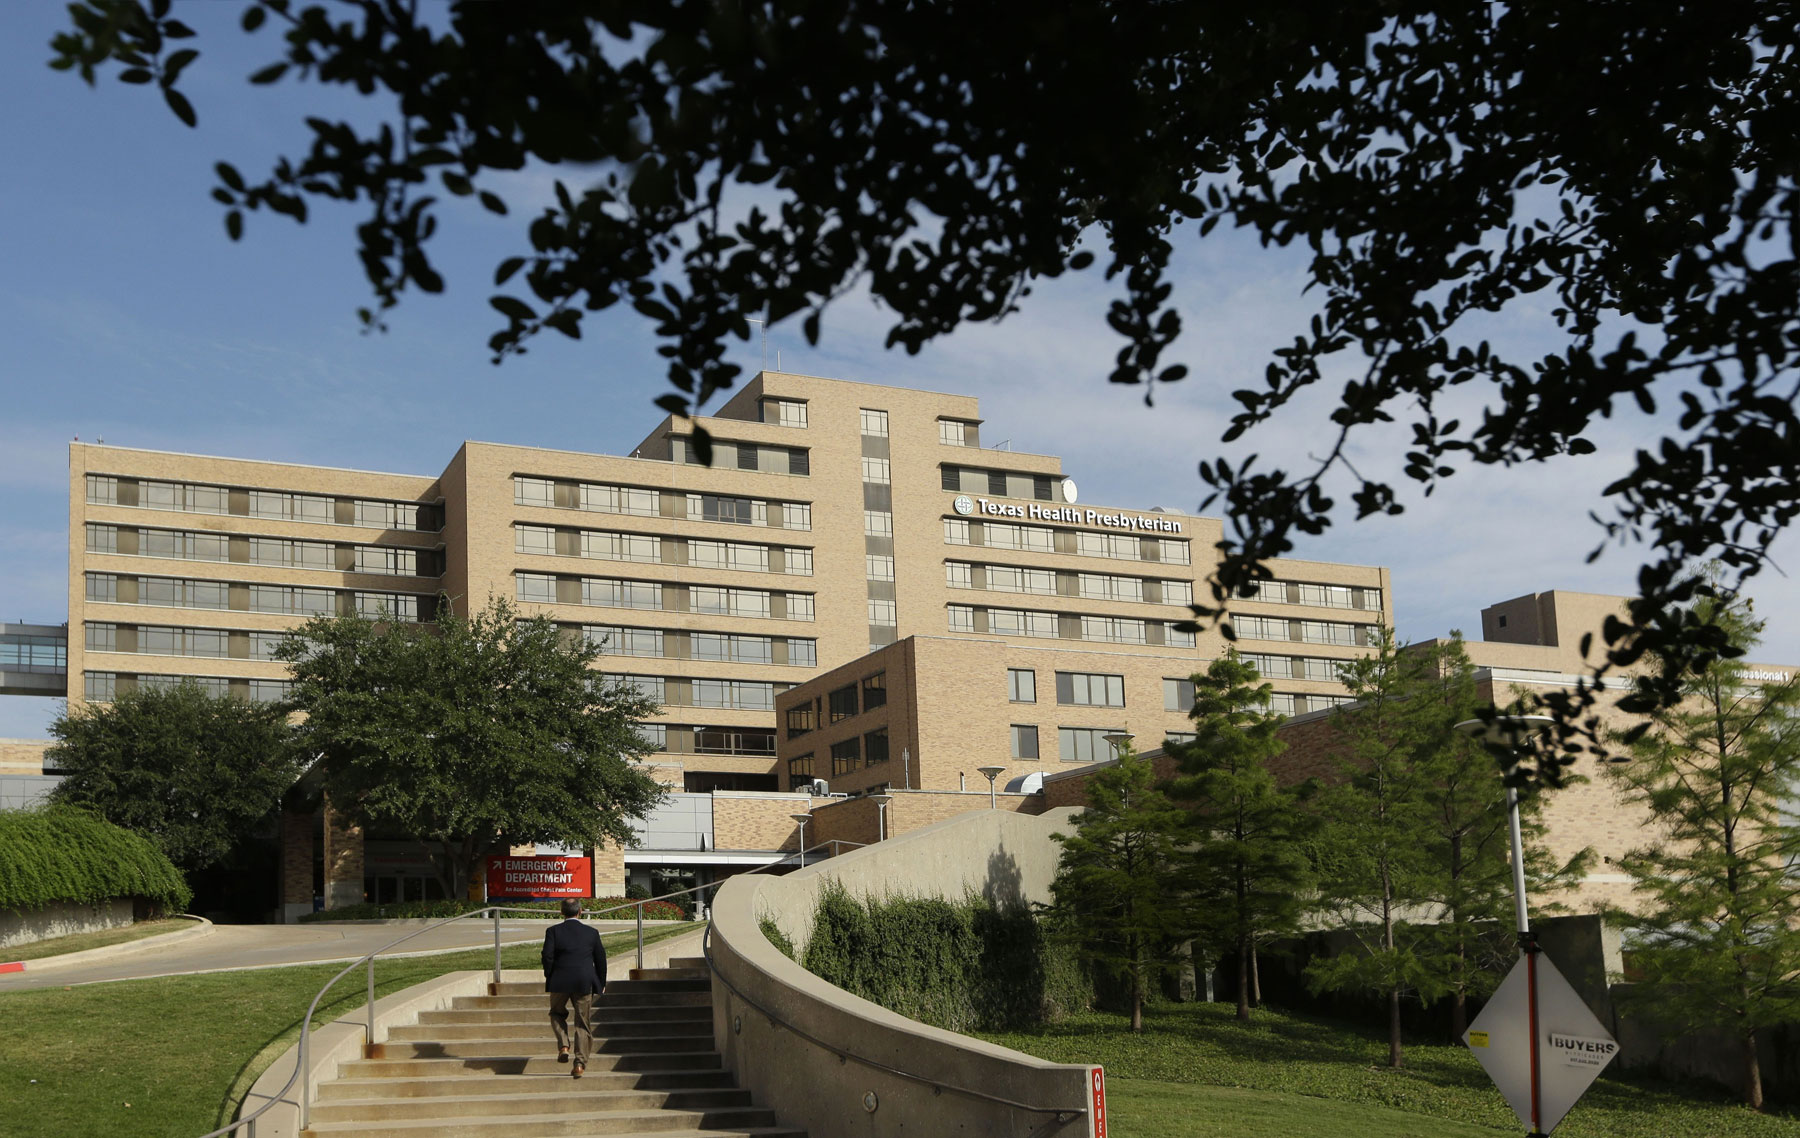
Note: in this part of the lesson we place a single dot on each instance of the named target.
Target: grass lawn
(169, 1058)
(1196, 1072)
(56, 946)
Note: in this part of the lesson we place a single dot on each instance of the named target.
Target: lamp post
(906, 767)
(803, 819)
(881, 805)
(992, 773)
(1120, 740)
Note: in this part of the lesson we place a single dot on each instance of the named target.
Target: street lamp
(803, 819)
(881, 805)
(992, 773)
(1119, 740)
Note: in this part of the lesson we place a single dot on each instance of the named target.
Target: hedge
(61, 855)
(545, 910)
(957, 965)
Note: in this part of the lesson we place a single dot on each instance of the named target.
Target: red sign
(539, 878)
(1098, 1078)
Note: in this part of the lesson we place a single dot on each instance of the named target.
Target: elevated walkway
(34, 659)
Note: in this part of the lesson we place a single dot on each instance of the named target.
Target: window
(796, 515)
(1024, 741)
(846, 756)
(1011, 579)
(1101, 586)
(880, 567)
(746, 456)
(1178, 738)
(1085, 744)
(953, 433)
(962, 618)
(102, 637)
(615, 640)
(878, 523)
(1112, 629)
(723, 741)
(537, 540)
(799, 606)
(883, 612)
(841, 704)
(1176, 637)
(100, 686)
(1178, 592)
(1005, 535)
(1022, 622)
(655, 734)
(1172, 551)
(874, 691)
(102, 587)
(263, 645)
(802, 719)
(800, 770)
(615, 594)
(1090, 689)
(803, 653)
(1178, 695)
(877, 470)
(537, 588)
(799, 561)
(620, 500)
(387, 515)
(956, 531)
(388, 606)
(875, 423)
(102, 539)
(1021, 685)
(875, 747)
(621, 546)
(102, 490)
(719, 508)
(270, 691)
(784, 412)
(650, 687)
(959, 575)
(292, 601)
(534, 491)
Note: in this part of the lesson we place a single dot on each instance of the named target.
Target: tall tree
(1249, 874)
(1373, 851)
(195, 773)
(471, 731)
(1119, 889)
(1719, 775)
(1447, 165)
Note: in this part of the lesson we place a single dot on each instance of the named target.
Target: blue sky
(128, 315)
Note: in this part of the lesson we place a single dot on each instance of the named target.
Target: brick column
(296, 865)
(609, 870)
(343, 860)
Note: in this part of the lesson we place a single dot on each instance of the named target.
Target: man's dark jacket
(574, 962)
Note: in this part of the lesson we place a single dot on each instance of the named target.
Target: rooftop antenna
(765, 339)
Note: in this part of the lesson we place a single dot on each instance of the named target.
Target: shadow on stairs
(486, 1068)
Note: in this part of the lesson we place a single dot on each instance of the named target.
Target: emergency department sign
(1571, 1048)
(539, 878)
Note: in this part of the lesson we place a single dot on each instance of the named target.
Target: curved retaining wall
(839, 1065)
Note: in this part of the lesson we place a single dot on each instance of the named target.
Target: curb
(201, 927)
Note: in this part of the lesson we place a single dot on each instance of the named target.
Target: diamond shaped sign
(1572, 1047)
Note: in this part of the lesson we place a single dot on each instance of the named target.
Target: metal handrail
(304, 1077)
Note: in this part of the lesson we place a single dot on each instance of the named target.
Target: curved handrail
(301, 1075)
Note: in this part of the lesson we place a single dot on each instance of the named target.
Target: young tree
(1373, 850)
(471, 731)
(1249, 874)
(1119, 890)
(194, 773)
(1719, 775)
(1442, 162)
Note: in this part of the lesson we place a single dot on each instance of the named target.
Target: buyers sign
(539, 878)
(1539, 1043)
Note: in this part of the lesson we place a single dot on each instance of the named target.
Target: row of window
(1093, 689)
(319, 509)
(959, 433)
(639, 502)
(682, 691)
(678, 739)
(190, 545)
(1318, 596)
(847, 755)
(166, 640)
(34, 654)
(545, 541)
(1295, 667)
(655, 596)
(618, 640)
(1064, 583)
(839, 704)
(103, 687)
(727, 455)
(223, 596)
(1301, 631)
(1000, 483)
(1081, 543)
(1066, 626)
(784, 412)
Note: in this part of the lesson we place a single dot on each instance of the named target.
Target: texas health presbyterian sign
(539, 878)
(1070, 515)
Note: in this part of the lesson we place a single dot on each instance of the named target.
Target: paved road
(228, 948)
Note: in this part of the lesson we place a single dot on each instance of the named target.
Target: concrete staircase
(486, 1068)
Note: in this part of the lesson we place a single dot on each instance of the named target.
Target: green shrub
(59, 854)
(958, 965)
(542, 910)
(776, 937)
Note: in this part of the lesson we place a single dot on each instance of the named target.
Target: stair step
(567, 1096)
(511, 1063)
(550, 1077)
(689, 962)
(540, 1029)
(539, 1125)
(673, 984)
(481, 1047)
(608, 999)
(682, 1013)
(668, 974)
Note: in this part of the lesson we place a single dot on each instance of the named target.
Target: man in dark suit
(574, 973)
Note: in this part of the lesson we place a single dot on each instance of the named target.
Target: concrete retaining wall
(839, 1065)
(63, 919)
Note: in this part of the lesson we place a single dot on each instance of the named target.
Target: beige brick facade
(23, 756)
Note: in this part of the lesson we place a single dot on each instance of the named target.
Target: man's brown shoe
(579, 1068)
(562, 1055)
